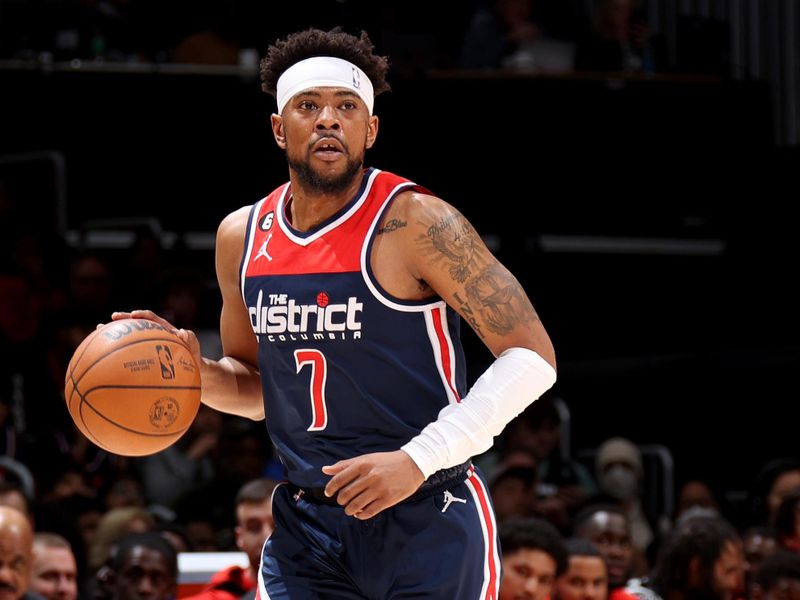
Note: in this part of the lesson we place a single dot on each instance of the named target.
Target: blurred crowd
(81, 500)
(574, 525)
(523, 35)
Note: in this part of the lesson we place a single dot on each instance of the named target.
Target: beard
(330, 184)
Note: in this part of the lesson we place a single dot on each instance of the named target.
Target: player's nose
(328, 118)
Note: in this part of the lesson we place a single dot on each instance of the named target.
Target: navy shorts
(442, 545)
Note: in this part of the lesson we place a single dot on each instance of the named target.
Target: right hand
(367, 484)
(187, 336)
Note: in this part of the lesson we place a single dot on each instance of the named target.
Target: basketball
(132, 387)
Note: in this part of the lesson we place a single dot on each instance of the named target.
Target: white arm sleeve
(515, 379)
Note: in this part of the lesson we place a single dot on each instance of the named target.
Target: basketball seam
(126, 345)
(128, 429)
(75, 361)
(85, 404)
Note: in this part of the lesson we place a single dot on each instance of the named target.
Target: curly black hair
(702, 537)
(533, 533)
(314, 42)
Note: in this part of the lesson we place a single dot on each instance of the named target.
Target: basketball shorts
(441, 543)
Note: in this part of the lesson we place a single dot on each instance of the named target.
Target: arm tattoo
(469, 315)
(500, 300)
(456, 242)
(392, 225)
(493, 299)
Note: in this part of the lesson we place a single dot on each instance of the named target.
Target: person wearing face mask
(618, 468)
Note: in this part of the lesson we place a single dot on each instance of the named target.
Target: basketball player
(342, 291)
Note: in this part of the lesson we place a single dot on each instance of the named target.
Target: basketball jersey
(346, 368)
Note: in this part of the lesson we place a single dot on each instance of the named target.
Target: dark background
(697, 351)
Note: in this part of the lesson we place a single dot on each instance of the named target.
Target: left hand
(367, 484)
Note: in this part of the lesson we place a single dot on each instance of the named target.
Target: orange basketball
(132, 387)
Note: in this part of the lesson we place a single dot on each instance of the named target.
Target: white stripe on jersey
(438, 354)
(248, 249)
(472, 482)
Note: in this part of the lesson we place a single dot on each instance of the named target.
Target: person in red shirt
(254, 524)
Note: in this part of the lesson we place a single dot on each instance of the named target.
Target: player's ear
(277, 130)
(372, 130)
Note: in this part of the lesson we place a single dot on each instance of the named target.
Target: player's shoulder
(421, 207)
(232, 230)
(233, 225)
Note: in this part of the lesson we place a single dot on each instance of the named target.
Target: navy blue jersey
(346, 368)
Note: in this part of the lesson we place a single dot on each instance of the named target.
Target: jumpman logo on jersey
(263, 250)
(449, 499)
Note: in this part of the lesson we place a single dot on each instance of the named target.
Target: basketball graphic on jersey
(323, 300)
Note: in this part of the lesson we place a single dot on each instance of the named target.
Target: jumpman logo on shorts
(449, 499)
(263, 250)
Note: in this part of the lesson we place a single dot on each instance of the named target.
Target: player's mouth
(328, 149)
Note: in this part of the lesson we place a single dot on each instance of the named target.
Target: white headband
(323, 71)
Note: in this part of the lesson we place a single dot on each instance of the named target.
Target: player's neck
(308, 207)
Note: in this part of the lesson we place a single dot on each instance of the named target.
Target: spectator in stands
(586, 576)
(533, 556)
(786, 522)
(55, 571)
(758, 542)
(534, 439)
(90, 287)
(618, 40)
(254, 524)
(143, 566)
(608, 528)
(773, 483)
(701, 558)
(16, 555)
(500, 35)
(124, 490)
(14, 444)
(513, 491)
(619, 472)
(12, 494)
(113, 525)
(778, 578)
(695, 492)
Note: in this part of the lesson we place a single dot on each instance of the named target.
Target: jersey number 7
(316, 387)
